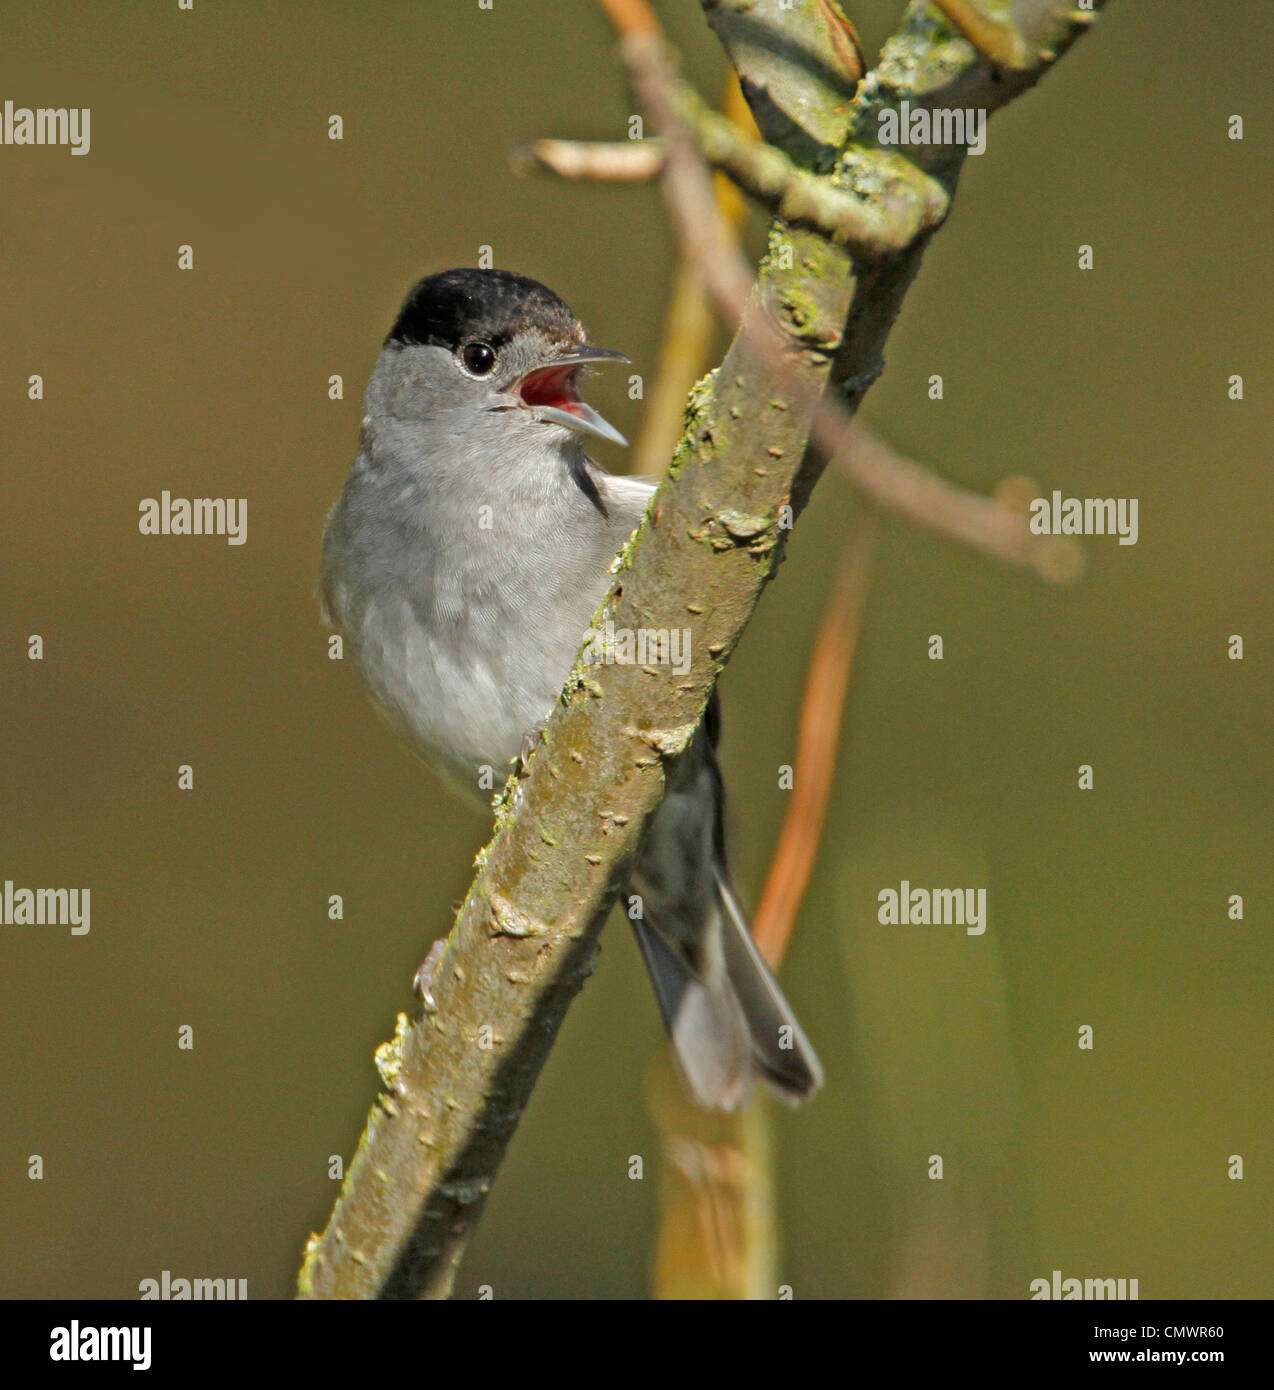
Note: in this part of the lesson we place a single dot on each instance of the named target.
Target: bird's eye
(479, 358)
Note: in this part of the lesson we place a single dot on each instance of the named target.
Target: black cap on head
(459, 306)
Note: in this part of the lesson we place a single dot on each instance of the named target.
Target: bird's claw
(531, 740)
(422, 985)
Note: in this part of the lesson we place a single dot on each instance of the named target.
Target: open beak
(552, 393)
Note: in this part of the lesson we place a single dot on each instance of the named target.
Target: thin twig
(703, 233)
(763, 172)
(690, 324)
(608, 161)
(696, 138)
(991, 525)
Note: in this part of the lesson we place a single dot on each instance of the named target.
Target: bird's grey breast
(466, 592)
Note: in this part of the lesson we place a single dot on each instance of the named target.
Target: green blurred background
(209, 907)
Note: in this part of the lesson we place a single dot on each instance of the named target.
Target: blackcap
(464, 564)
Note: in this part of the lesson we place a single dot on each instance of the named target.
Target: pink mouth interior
(552, 386)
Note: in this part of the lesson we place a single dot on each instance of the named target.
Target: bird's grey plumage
(464, 563)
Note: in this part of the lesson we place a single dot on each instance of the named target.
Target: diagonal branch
(458, 1078)
(761, 171)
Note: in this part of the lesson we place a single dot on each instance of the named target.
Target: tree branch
(919, 494)
(762, 171)
(457, 1080)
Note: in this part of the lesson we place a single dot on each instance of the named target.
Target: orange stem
(818, 736)
(631, 17)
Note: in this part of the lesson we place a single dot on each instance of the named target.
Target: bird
(463, 564)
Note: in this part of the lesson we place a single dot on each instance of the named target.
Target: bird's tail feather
(730, 1025)
(706, 1027)
(780, 1049)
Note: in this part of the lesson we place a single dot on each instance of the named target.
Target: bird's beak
(551, 392)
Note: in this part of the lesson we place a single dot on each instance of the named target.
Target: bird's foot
(422, 985)
(531, 740)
